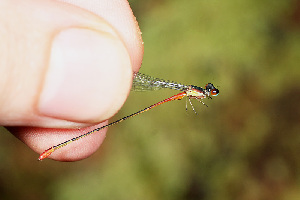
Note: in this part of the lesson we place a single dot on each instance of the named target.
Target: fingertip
(88, 78)
(119, 14)
(93, 93)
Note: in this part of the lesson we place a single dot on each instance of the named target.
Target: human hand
(65, 67)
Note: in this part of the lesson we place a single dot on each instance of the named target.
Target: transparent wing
(142, 82)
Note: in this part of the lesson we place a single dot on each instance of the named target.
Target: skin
(66, 68)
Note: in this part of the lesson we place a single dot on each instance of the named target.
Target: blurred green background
(245, 145)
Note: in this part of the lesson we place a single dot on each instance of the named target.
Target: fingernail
(85, 67)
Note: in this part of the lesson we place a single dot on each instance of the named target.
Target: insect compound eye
(214, 92)
(211, 88)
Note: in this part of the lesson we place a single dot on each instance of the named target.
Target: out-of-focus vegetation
(245, 145)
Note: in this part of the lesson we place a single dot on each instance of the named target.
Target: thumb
(61, 66)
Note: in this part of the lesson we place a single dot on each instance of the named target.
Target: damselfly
(145, 82)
